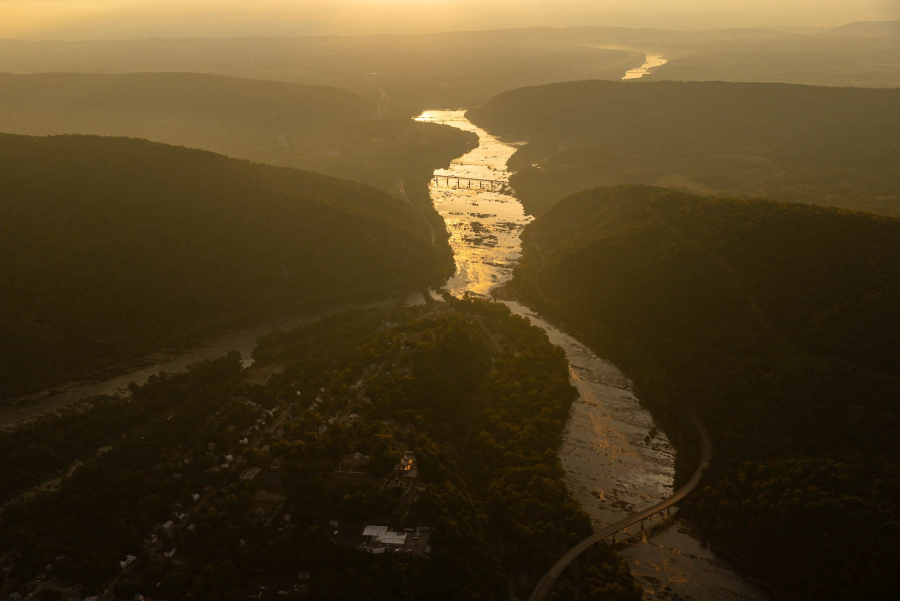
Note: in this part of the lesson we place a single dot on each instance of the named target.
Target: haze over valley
(395, 299)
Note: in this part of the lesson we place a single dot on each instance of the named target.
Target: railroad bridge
(454, 181)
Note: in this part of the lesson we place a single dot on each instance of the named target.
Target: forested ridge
(827, 146)
(193, 101)
(316, 127)
(778, 323)
(110, 245)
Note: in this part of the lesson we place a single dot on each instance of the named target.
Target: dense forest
(478, 395)
(778, 322)
(111, 247)
(828, 146)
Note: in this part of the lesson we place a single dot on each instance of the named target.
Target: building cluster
(381, 539)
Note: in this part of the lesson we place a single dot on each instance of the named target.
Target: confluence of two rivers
(610, 468)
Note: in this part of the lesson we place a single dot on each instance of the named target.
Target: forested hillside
(416, 72)
(108, 246)
(863, 54)
(778, 322)
(828, 146)
(319, 128)
(160, 102)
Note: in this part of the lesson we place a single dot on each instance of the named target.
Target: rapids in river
(610, 467)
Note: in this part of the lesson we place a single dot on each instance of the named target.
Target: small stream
(611, 468)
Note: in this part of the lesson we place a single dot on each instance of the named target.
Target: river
(610, 467)
(75, 396)
(651, 61)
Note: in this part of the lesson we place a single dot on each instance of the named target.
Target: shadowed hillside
(111, 245)
(830, 146)
(778, 323)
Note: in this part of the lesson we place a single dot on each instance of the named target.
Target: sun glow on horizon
(129, 19)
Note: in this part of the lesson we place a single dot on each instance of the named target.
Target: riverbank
(617, 458)
(113, 381)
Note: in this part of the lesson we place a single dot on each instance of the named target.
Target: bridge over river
(470, 182)
(543, 588)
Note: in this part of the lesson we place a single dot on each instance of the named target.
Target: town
(320, 447)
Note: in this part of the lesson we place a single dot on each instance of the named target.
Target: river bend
(613, 464)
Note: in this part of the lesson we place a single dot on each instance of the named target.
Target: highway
(546, 584)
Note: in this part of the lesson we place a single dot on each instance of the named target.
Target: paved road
(544, 587)
(383, 103)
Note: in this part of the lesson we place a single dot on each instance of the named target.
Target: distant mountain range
(870, 29)
(158, 103)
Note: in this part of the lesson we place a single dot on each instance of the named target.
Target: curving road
(383, 103)
(544, 587)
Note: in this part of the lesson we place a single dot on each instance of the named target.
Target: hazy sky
(122, 19)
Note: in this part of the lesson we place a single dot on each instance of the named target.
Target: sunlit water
(651, 62)
(484, 225)
(610, 467)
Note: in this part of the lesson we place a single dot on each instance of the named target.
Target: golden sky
(124, 19)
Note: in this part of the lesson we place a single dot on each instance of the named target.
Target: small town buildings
(407, 466)
(249, 473)
(382, 535)
(129, 559)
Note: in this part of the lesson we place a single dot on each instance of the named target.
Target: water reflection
(650, 62)
(614, 463)
(484, 225)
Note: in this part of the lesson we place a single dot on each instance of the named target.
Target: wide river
(610, 468)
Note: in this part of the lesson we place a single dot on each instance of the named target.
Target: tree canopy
(111, 246)
(827, 146)
(778, 323)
